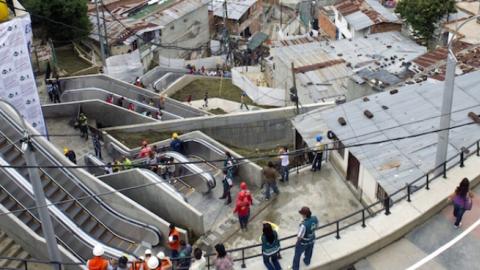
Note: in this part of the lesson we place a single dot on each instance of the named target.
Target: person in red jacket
(98, 262)
(242, 206)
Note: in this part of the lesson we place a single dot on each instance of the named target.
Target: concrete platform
(324, 192)
(428, 237)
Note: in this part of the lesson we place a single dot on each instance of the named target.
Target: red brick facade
(385, 27)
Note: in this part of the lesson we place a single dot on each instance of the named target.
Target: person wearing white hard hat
(153, 263)
(165, 262)
(98, 262)
(148, 255)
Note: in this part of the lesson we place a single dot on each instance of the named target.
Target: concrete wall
(31, 242)
(190, 30)
(127, 90)
(342, 26)
(104, 113)
(157, 198)
(117, 201)
(257, 129)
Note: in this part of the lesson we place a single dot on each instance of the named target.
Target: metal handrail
(71, 196)
(36, 219)
(337, 222)
(85, 189)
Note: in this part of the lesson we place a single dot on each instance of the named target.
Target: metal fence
(334, 228)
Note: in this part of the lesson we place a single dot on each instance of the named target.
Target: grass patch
(217, 111)
(198, 87)
(69, 61)
(246, 152)
(132, 140)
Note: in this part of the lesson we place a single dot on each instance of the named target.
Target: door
(353, 170)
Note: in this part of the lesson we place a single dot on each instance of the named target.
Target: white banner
(17, 82)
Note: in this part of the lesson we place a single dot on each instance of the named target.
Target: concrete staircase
(8, 248)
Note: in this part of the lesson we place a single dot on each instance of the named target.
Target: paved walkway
(324, 192)
(226, 105)
(427, 238)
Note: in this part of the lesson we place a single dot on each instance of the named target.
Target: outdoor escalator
(80, 210)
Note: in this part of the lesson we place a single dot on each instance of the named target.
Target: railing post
(338, 230)
(363, 218)
(408, 193)
(462, 158)
(387, 205)
(428, 182)
(243, 259)
(445, 169)
(25, 265)
(478, 148)
(59, 265)
(208, 262)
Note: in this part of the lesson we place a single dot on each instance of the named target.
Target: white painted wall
(342, 25)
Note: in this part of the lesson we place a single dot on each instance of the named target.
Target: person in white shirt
(200, 262)
(284, 162)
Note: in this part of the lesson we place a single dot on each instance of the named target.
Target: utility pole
(107, 48)
(293, 90)
(40, 202)
(100, 36)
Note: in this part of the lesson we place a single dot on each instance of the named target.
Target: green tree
(69, 12)
(423, 15)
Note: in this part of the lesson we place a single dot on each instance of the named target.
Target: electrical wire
(259, 157)
(100, 35)
(99, 195)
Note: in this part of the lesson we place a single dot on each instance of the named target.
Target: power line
(99, 195)
(100, 35)
(250, 158)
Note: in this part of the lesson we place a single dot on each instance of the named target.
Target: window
(338, 145)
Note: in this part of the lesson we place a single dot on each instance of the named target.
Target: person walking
(121, 264)
(184, 256)
(243, 101)
(49, 90)
(242, 206)
(284, 163)
(305, 238)
(96, 145)
(317, 160)
(83, 124)
(205, 100)
(227, 186)
(70, 154)
(147, 255)
(270, 176)
(270, 247)
(173, 241)
(98, 262)
(56, 93)
(200, 262)
(189, 100)
(231, 164)
(144, 150)
(462, 201)
(223, 260)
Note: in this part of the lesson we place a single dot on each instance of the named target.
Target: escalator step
(98, 231)
(81, 218)
(89, 225)
(73, 211)
(106, 237)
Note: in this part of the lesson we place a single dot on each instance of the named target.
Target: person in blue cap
(317, 160)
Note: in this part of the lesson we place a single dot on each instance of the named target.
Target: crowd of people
(155, 114)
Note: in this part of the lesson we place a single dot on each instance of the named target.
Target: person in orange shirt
(98, 262)
(165, 262)
(137, 265)
(174, 241)
(148, 255)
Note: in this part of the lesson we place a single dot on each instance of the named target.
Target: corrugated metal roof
(387, 14)
(358, 20)
(235, 8)
(395, 163)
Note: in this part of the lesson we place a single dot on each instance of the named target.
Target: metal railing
(335, 227)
